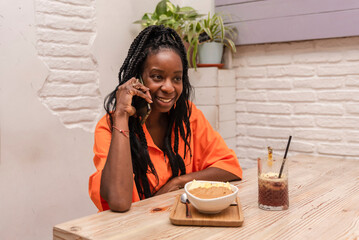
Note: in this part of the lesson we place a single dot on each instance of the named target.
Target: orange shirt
(208, 150)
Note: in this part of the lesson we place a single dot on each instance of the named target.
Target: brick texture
(215, 95)
(307, 89)
(65, 29)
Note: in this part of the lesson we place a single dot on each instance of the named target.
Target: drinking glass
(272, 190)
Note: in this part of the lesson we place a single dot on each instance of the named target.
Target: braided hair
(151, 40)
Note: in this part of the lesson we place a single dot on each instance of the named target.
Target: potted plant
(208, 36)
(169, 15)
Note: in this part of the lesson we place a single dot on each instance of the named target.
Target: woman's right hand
(125, 93)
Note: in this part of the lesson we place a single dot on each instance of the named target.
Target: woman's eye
(157, 77)
(178, 79)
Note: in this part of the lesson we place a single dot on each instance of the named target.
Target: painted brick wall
(215, 95)
(65, 32)
(308, 89)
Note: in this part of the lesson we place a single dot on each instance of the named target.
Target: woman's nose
(167, 86)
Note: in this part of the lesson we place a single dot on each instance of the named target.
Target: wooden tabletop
(324, 204)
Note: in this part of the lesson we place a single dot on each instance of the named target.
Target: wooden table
(324, 204)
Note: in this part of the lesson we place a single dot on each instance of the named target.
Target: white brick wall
(215, 95)
(65, 30)
(308, 89)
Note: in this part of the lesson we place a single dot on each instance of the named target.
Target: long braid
(150, 41)
(168, 148)
(180, 161)
(186, 94)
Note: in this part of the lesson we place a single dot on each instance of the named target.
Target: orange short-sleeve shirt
(208, 150)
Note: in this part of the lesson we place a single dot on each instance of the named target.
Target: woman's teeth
(166, 100)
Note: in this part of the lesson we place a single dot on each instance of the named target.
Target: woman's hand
(172, 185)
(209, 174)
(117, 175)
(125, 93)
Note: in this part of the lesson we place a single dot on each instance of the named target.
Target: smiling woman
(162, 74)
(175, 145)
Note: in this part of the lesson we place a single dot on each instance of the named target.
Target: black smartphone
(143, 108)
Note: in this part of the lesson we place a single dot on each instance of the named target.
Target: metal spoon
(186, 201)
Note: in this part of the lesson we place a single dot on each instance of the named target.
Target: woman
(175, 145)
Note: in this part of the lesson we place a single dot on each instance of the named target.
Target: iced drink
(272, 191)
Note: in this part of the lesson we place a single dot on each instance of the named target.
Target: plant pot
(210, 53)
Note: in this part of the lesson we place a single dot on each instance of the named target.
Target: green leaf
(220, 20)
(187, 9)
(232, 46)
(194, 54)
(164, 17)
(154, 16)
(188, 55)
(146, 16)
(161, 7)
(192, 15)
(209, 33)
(170, 7)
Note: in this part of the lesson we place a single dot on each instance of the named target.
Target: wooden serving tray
(230, 217)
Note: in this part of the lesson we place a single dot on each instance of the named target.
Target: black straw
(285, 157)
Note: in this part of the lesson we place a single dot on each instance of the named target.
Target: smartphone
(143, 108)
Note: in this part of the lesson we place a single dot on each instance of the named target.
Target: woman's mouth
(165, 100)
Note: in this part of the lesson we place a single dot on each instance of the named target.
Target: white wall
(307, 89)
(49, 108)
(44, 166)
(215, 95)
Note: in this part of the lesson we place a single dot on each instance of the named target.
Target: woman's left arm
(212, 159)
(210, 174)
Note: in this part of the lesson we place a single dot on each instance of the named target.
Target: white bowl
(212, 205)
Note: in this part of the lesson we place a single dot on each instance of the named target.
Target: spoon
(186, 201)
